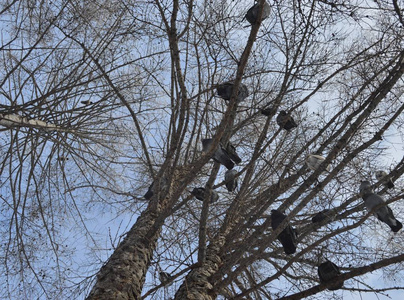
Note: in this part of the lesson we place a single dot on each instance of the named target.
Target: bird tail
(397, 227)
(228, 164)
(289, 247)
(390, 185)
(148, 195)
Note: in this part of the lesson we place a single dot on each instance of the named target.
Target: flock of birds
(226, 155)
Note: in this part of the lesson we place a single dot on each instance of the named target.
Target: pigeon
(287, 237)
(225, 90)
(231, 180)
(231, 151)
(285, 120)
(328, 273)
(199, 194)
(164, 277)
(221, 155)
(383, 213)
(86, 102)
(149, 192)
(322, 215)
(382, 175)
(313, 161)
(266, 111)
(252, 13)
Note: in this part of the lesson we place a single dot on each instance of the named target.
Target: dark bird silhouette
(200, 193)
(267, 111)
(383, 213)
(328, 273)
(164, 277)
(382, 175)
(149, 192)
(220, 155)
(288, 236)
(252, 13)
(322, 215)
(231, 180)
(285, 120)
(86, 102)
(62, 158)
(225, 90)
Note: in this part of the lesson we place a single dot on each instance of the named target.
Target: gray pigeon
(383, 213)
(225, 90)
(313, 161)
(328, 273)
(285, 120)
(322, 215)
(267, 111)
(382, 175)
(164, 277)
(231, 180)
(86, 102)
(199, 194)
(252, 13)
(288, 236)
(221, 156)
(149, 192)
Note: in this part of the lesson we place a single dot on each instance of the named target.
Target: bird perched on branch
(231, 151)
(313, 161)
(285, 120)
(252, 13)
(225, 90)
(382, 175)
(164, 277)
(322, 215)
(328, 273)
(288, 236)
(200, 194)
(86, 102)
(382, 212)
(221, 155)
(231, 180)
(150, 191)
(266, 111)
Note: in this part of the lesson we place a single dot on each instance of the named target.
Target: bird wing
(223, 158)
(288, 240)
(372, 200)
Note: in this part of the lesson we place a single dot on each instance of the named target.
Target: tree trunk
(196, 285)
(123, 276)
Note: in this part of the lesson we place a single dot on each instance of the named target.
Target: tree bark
(123, 276)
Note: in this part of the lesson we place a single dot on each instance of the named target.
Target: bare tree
(102, 102)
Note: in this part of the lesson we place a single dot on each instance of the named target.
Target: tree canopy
(104, 102)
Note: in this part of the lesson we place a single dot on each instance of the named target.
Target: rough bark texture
(124, 274)
(128, 263)
(196, 285)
